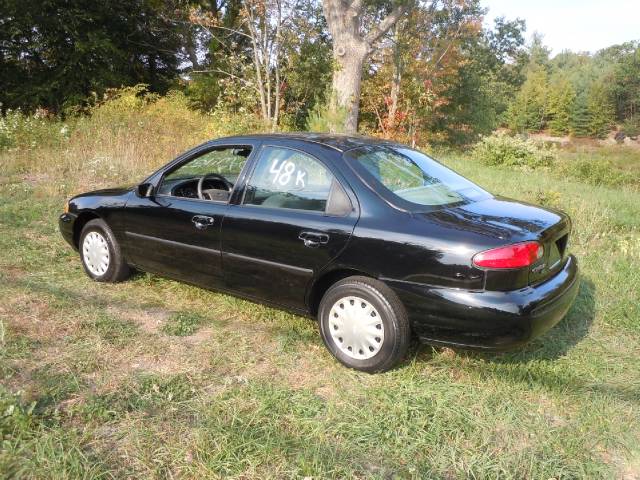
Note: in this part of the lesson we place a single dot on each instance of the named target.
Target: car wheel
(364, 324)
(100, 253)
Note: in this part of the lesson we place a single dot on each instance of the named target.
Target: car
(378, 241)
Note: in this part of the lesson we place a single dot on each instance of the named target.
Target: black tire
(117, 269)
(397, 332)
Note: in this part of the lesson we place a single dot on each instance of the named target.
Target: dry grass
(126, 138)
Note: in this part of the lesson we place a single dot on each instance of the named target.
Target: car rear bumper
(488, 320)
(65, 223)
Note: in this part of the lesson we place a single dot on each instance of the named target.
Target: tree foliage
(578, 93)
(560, 100)
(56, 53)
(436, 75)
(530, 107)
(442, 77)
(600, 108)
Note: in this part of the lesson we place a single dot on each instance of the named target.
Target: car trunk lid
(555, 241)
(504, 221)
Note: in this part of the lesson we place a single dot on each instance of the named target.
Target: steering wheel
(202, 192)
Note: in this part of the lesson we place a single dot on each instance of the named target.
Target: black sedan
(375, 239)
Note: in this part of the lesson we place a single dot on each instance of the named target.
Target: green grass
(156, 379)
(183, 324)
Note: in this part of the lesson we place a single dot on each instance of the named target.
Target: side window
(285, 178)
(216, 170)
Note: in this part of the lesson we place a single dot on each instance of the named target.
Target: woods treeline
(578, 93)
(420, 72)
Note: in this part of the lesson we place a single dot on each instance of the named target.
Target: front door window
(210, 176)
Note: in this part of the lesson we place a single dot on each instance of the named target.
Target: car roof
(338, 142)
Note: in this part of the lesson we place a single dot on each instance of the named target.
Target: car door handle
(313, 239)
(202, 222)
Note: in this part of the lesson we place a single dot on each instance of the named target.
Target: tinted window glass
(414, 177)
(287, 178)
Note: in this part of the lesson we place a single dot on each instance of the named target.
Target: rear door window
(286, 178)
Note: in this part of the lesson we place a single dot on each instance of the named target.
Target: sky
(578, 25)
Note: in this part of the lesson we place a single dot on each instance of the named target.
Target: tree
(269, 57)
(580, 117)
(561, 98)
(219, 59)
(351, 47)
(601, 111)
(55, 54)
(308, 66)
(489, 75)
(529, 108)
(261, 23)
(538, 53)
(624, 80)
(410, 81)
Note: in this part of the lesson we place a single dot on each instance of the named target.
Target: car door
(294, 218)
(173, 231)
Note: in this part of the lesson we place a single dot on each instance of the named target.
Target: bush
(631, 128)
(18, 130)
(326, 117)
(501, 149)
(595, 172)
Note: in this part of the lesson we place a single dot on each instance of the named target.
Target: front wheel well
(322, 284)
(79, 224)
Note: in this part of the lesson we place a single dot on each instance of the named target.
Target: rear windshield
(411, 178)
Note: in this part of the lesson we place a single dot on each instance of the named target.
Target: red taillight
(517, 255)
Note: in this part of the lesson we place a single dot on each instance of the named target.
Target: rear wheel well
(325, 282)
(79, 224)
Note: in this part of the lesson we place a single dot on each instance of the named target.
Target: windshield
(413, 177)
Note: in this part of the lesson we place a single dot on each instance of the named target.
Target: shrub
(501, 149)
(550, 198)
(594, 172)
(326, 117)
(18, 130)
(631, 127)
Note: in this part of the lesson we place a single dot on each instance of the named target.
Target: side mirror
(145, 190)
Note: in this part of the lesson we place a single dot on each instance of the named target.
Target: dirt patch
(13, 273)
(543, 137)
(166, 358)
(626, 468)
(170, 364)
(308, 373)
(31, 317)
(149, 320)
(170, 355)
(326, 392)
(34, 179)
(200, 336)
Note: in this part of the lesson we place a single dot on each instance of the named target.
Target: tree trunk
(350, 48)
(346, 82)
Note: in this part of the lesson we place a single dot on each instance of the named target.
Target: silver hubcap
(95, 252)
(356, 327)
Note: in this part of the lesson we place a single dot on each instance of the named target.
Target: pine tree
(528, 110)
(561, 98)
(580, 116)
(601, 111)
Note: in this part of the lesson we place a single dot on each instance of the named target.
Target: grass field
(152, 378)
